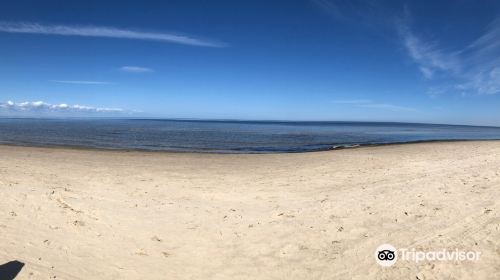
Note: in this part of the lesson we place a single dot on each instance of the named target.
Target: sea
(227, 136)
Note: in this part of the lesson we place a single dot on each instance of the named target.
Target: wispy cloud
(81, 82)
(352, 101)
(135, 69)
(331, 8)
(473, 68)
(370, 14)
(104, 31)
(366, 103)
(429, 57)
(390, 107)
(40, 106)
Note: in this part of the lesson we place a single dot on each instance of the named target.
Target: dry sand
(83, 214)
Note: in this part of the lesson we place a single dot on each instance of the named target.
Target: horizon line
(239, 120)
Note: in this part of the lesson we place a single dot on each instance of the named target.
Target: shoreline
(332, 148)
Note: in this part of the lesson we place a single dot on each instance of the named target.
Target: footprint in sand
(79, 223)
(141, 252)
(156, 238)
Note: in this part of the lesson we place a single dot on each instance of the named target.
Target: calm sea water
(225, 136)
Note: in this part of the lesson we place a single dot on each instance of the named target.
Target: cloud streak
(370, 14)
(331, 8)
(426, 54)
(105, 32)
(366, 103)
(474, 68)
(81, 82)
(136, 69)
(40, 106)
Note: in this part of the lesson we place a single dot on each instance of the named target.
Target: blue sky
(410, 61)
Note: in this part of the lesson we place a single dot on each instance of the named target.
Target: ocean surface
(225, 136)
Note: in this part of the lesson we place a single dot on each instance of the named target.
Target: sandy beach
(88, 214)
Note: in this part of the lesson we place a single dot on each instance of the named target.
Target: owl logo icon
(386, 255)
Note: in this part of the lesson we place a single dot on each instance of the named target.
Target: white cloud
(365, 103)
(473, 68)
(135, 69)
(40, 106)
(103, 31)
(81, 82)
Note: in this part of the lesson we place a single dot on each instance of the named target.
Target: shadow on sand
(9, 271)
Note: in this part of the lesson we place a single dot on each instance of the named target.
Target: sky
(312, 60)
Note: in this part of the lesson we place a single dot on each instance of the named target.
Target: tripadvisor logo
(387, 255)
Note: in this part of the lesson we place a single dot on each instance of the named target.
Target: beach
(96, 214)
